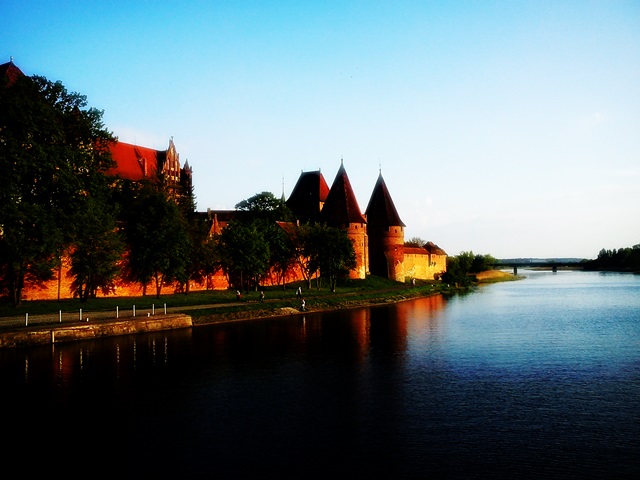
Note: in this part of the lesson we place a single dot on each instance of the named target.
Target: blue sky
(505, 128)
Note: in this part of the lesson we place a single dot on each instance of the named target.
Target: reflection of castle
(378, 235)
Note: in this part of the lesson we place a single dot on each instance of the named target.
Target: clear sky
(509, 128)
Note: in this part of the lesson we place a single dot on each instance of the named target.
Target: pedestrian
(261, 296)
(238, 295)
(299, 292)
(302, 306)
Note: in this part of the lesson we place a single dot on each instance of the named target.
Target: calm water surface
(538, 378)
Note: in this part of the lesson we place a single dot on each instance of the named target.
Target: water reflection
(493, 384)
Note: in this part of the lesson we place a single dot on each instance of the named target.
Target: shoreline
(484, 278)
(23, 336)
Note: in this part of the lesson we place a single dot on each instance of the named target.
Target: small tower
(308, 196)
(386, 234)
(341, 210)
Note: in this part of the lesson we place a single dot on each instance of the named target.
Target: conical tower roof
(381, 211)
(10, 72)
(341, 206)
(309, 193)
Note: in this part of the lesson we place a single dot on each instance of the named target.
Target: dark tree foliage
(620, 260)
(330, 251)
(415, 242)
(157, 237)
(52, 149)
(460, 269)
(282, 252)
(482, 263)
(265, 207)
(202, 260)
(305, 251)
(244, 253)
(258, 244)
(96, 253)
(337, 255)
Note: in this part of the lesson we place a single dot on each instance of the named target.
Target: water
(538, 378)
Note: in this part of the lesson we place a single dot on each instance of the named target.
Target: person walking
(303, 305)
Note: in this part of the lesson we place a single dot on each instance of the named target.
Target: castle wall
(424, 266)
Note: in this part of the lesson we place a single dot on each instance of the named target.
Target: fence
(76, 316)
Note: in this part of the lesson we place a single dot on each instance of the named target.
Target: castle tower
(9, 73)
(386, 234)
(308, 196)
(341, 210)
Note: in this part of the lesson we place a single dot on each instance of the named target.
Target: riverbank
(323, 303)
(279, 303)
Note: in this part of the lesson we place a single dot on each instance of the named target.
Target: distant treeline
(621, 260)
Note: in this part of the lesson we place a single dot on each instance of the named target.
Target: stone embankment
(49, 334)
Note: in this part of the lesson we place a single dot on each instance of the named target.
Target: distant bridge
(552, 265)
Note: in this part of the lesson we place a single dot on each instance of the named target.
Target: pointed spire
(381, 211)
(341, 206)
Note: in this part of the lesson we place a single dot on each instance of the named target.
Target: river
(538, 378)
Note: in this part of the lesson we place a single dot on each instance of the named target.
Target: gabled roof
(434, 249)
(134, 162)
(310, 192)
(10, 72)
(381, 211)
(341, 206)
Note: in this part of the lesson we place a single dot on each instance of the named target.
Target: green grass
(223, 303)
(370, 290)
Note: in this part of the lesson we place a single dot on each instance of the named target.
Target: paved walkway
(18, 321)
(65, 318)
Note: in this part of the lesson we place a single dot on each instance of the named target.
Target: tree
(51, 148)
(265, 207)
(156, 237)
(282, 252)
(202, 260)
(306, 251)
(415, 242)
(460, 269)
(457, 273)
(482, 263)
(261, 214)
(336, 256)
(325, 249)
(96, 252)
(244, 253)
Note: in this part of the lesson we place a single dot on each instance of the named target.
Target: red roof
(434, 249)
(133, 162)
(341, 206)
(11, 72)
(308, 195)
(381, 211)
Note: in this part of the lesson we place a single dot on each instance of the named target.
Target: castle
(377, 235)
